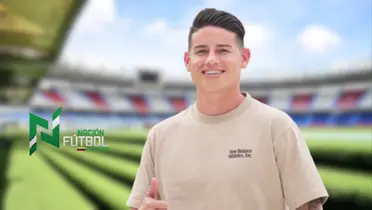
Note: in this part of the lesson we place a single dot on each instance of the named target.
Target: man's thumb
(154, 188)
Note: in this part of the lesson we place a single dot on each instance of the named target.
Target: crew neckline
(216, 119)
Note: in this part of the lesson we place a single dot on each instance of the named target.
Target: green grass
(338, 129)
(110, 191)
(339, 182)
(345, 182)
(33, 185)
(118, 166)
(348, 147)
(124, 148)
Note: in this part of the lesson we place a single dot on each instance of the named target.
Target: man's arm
(133, 209)
(144, 174)
(311, 205)
(300, 178)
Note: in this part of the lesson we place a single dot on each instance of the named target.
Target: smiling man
(228, 150)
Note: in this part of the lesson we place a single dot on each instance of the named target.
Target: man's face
(215, 59)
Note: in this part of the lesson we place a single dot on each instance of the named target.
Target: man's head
(216, 52)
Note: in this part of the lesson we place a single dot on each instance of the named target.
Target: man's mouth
(213, 72)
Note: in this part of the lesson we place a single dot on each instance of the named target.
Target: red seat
(349, 99)
(139, 103)
(301, 102)
(178, 103)
(97, 99)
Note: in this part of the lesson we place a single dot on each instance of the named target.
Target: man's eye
(201, 51)
(223, 50)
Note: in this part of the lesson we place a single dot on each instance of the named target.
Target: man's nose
(212, 59)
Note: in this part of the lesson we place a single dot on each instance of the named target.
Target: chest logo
(240, 153)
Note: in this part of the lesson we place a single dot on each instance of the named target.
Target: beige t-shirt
(252, 158)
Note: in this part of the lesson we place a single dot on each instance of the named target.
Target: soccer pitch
(66, 179)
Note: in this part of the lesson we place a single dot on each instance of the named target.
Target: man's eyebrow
(199, 46)
(224, 45)
(205, 46)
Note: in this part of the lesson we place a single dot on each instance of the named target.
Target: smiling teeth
(212, 72)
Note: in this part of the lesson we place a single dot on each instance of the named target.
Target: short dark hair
(217, 18)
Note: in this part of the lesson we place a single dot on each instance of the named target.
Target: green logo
(50, 139)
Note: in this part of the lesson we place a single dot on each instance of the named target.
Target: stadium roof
(31, 36)
(38, 27)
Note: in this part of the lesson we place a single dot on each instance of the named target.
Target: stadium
(333, 110)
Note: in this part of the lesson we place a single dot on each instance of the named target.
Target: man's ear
(246, 56)
(186, 59)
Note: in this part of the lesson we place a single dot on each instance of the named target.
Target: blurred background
(117, 66)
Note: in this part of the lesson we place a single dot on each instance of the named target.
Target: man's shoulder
(275, 121)
(269, 111)
(173, 121)
(277, 118)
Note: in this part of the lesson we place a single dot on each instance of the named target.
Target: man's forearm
(312, 205)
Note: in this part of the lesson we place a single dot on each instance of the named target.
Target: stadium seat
(320, 119)
(39, 99)
(348, 99)
(325, 98)
(119, 103)
(158, 104)
(54, 96)
(97, 99)
(366, 100)
(302, 99)
(77, 100)
(139, 102)
(178, 103)
(365, 119)
(280, 99)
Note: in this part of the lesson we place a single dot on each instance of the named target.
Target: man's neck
(218, 103)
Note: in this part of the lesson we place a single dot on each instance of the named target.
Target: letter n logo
(38, 121)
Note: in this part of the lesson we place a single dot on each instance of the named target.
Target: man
(228, 150)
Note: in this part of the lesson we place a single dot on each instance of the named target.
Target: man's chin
(213, 88)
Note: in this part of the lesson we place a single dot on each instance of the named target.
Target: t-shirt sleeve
(144, 174)
(300, 178)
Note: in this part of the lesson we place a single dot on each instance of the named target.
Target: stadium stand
(335, 100)
(139, 102)
(113, 101)
(280, 98)
(158, 104)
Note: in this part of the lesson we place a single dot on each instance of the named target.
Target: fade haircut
(218, 18)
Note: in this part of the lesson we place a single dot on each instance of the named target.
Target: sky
(286, 37)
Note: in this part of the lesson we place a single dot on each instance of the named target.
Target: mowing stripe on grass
(127, 148)
(346, 154)
(325, 129)
(118, 168)
(33, 185)
(6, 146)
(86, 192)
(127, 151)
(338, 135)
(350, 147)
(112, 192)
(341, 182)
